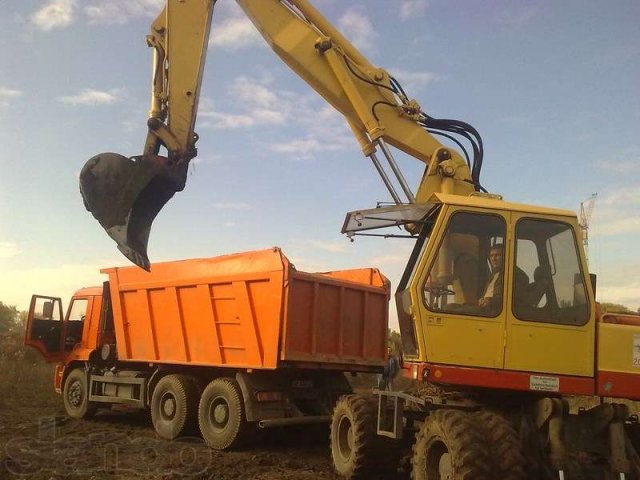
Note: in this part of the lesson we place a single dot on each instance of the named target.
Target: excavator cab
(125, 195)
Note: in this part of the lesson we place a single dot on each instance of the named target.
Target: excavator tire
(451, 445)
(221, 415)
(174, 406)
(505, 446)
(356, 449)
(75, 395)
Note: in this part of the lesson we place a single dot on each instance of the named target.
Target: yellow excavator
(497, 311)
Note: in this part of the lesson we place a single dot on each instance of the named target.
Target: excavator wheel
(505, 446)
(356, 449)
(451, 445)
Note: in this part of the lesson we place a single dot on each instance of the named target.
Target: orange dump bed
(249, 310)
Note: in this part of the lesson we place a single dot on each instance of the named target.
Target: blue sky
(553, 87)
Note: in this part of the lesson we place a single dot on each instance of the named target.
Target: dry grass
(24, 376)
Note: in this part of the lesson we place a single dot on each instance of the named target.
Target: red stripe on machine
(619, 385)
(502, 379)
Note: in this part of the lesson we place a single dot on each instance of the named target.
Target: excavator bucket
(125, 195)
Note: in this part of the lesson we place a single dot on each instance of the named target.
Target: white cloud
(619, 284)
(333, 247)
(121, 11)
(358, 29)
(7, 95)
(226, 121)
(8, 249)
(55, 14)
(414, 80)
(269, 117)
(389, 260)
(208, 159)
(234, 33)
(616, 212)
(305, 147)
(232, 206)
(92, 98)
(260, 104)
(302, 146)
(249, 90)
(625, 161)
(412, 8)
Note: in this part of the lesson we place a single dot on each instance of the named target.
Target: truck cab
(64, 337)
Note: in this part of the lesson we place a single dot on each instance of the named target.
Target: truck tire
(174, 406)
(505, 446)
(450, 445)
(221, 415)
(356, 449)
(75, 395)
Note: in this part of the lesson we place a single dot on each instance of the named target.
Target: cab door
(451, 278)
(45, 327)
(550, 326)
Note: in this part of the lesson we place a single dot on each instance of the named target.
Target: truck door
(44, 327)
(462, 307)
(550, 328)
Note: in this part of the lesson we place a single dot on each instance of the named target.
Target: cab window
(46, 323)
(555, 293)
(75, 323)
(466, 275)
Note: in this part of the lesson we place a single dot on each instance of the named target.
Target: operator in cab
(492, 296)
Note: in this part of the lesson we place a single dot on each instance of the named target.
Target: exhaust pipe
(125, 195)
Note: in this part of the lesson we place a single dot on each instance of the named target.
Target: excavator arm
(125, 194)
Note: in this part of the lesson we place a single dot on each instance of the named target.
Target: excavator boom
(125, 194)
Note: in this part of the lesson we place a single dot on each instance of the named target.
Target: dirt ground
(38, 441)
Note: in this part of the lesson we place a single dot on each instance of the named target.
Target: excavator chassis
(523, 437)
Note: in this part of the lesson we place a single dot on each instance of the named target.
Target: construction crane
(584, 218)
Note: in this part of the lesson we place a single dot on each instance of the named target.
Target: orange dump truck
(222, 342)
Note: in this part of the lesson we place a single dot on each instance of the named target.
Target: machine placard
(544, 384)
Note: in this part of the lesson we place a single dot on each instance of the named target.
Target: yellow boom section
(125, 194)
(332, 66)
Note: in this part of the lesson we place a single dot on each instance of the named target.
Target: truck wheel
(450, 446)
(75, 395)
(173, 406)
(221, 414)
(356, 449)
(504, 445)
